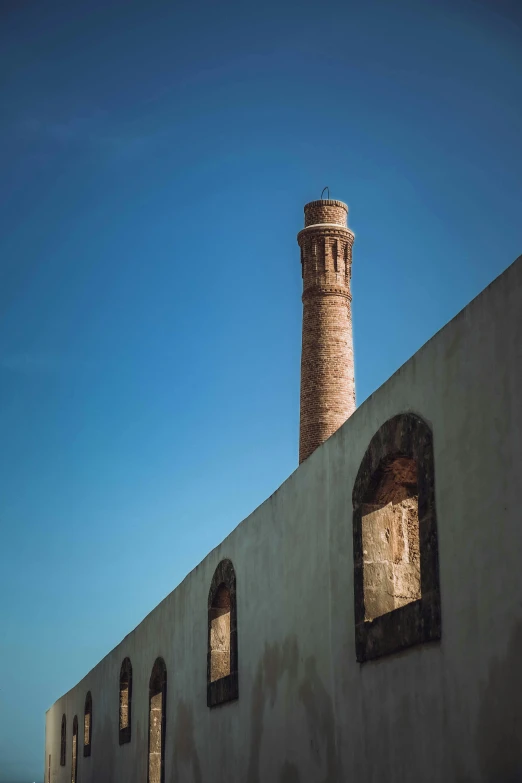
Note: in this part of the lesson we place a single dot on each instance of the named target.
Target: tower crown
(326, 248)
(326, 210)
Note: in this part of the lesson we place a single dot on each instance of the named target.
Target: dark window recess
(87, 725)
(125, 701)
(222, 659)
(157, 722)
(63, 741)
(396, 568)
(74, 758)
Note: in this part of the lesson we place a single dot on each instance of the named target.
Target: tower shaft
(327, 374)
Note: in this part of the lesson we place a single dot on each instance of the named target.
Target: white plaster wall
(307, 711)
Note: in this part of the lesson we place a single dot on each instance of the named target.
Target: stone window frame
(418, 622)
(226, 688)
(87, 711)
(125, 678)
(158, 676)
(74, 756)
(63, 740)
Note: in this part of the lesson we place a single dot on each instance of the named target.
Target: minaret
(327, 379)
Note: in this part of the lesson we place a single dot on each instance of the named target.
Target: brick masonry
(327, 374)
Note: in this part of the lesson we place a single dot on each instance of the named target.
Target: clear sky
(155, 159)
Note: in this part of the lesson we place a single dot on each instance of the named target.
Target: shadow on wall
(499, 728)
(140, 769)
(498, 735)
(184, 744)
(289, 773)
(102, 754)
(277, 661)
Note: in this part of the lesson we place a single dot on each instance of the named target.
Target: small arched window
(396, 573)
(222, 661)
(157, 722)
(63, 741)
(87, 725)
(125, 701)
(74, 759)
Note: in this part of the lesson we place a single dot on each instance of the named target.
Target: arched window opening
(220, 634)
(125, 701)
(63, 741)
(222, 659)
(87, 725)
(157, 722)
(396, 567)
(74, 759)
(390, 538)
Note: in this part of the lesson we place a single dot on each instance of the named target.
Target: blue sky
(155, 159)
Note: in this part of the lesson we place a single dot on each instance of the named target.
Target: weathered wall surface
(307, 711)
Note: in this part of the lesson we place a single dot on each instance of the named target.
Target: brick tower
(327, 379)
